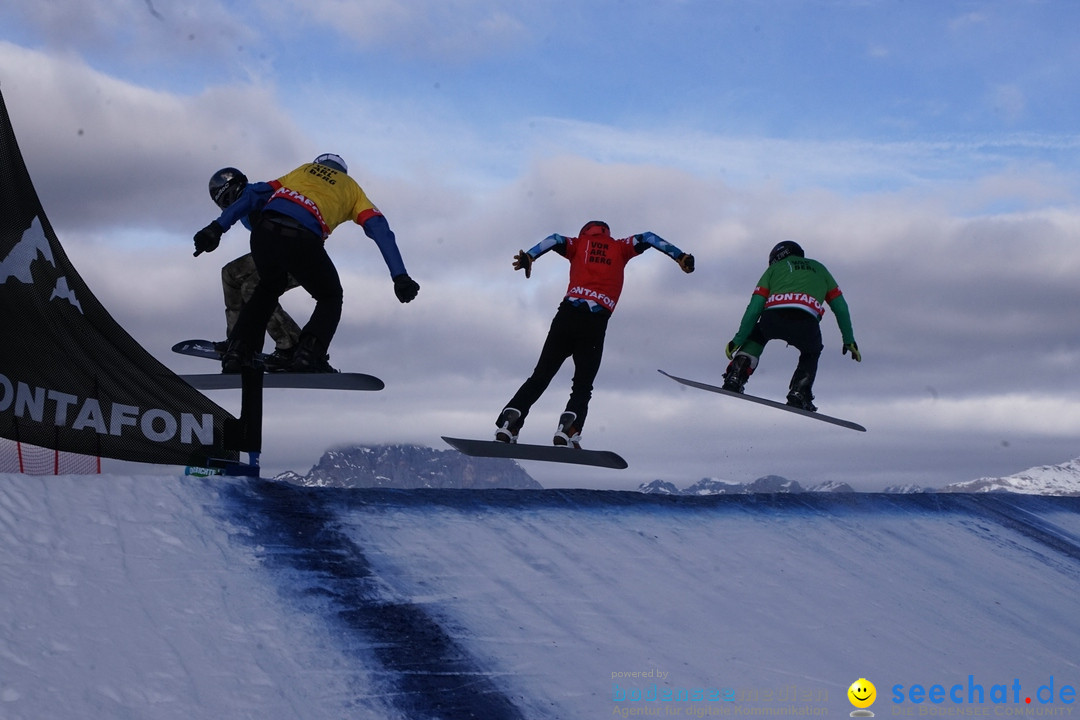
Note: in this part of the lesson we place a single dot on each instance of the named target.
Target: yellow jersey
(328, 196)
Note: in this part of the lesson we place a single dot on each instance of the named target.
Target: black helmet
(783, 249)
(226, 185)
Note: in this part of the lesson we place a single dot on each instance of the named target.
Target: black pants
(575, 332)
(797, 328)
(281, 250)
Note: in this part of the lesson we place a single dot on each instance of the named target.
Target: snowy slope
(226, 598)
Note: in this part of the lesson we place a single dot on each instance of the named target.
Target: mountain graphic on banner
(17, 263)
(71, 377)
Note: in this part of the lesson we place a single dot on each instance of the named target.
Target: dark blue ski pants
(281, 249)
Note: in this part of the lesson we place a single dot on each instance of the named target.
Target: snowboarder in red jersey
(788, 304)
(597, 265)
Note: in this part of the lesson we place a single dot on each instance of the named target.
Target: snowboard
(543, 453)
(771, 403)
(205, 349)
(302, 381)
(307, 381)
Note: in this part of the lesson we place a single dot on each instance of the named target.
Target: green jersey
(800, 283)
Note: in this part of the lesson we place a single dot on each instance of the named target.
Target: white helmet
(331, 160)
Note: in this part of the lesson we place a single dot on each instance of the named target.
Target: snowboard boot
(236, 357)
(280, 360)
(310, 357)
(509, 425)
(738, 372)
(568, 434)
(799, 394)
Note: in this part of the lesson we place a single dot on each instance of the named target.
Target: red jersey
(598, 261)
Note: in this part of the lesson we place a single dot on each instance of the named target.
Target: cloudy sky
(926, 151)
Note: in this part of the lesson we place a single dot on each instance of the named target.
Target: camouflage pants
(238, 280)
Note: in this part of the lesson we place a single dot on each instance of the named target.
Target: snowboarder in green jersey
(788, 304)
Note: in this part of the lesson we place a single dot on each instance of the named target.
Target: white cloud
(968, 20)
(453, 30)
(958, 253)
(1009, 101)
(137, 32)
(104, 151)
(877, 51)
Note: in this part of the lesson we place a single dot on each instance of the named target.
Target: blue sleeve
(645, 240)
(554, 242)
(253, 198)
(378, 229)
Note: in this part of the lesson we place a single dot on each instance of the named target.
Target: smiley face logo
(862, 693)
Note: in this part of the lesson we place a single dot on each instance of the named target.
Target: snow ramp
(152, 597)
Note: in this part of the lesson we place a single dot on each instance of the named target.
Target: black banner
(71, 378)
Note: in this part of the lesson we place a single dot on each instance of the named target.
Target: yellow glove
(730, 350)
(854, 350)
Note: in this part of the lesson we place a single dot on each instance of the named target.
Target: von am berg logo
(17, 263)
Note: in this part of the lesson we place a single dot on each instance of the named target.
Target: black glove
(852, 348)
(405, 287)
(523, 261)
(686, 262)
(207, 239)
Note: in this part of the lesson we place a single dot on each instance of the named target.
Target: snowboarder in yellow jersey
(299, 211)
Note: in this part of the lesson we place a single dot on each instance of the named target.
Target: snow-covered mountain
(1062, 479)
(715, 486)
(832, 486)
(411, 466)
(659, 487)
(906, 489)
